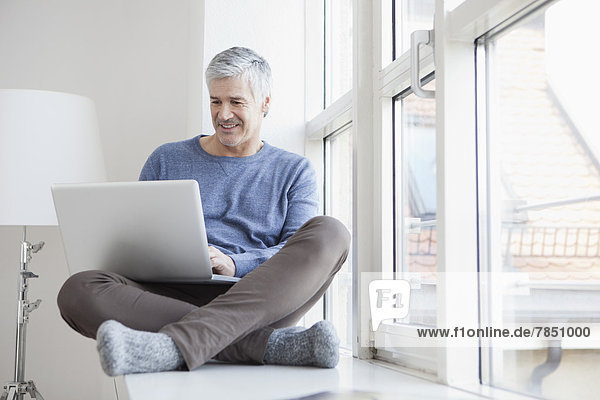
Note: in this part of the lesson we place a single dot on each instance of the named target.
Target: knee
(331, 231)
(72, 291)
(77, 290)
(77, 300)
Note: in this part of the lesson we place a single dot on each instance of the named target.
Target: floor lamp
(45, 138)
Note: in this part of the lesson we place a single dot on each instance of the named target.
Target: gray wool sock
(126, 351)
(317, 346)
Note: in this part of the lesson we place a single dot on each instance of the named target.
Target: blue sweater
(251, 205)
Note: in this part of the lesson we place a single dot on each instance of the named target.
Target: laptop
(150, 231)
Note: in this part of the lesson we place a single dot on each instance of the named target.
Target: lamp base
(16, 391)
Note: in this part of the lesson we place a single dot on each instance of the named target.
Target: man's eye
(215, 102)
(237, 103)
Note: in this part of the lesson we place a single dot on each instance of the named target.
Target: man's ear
(266, 105)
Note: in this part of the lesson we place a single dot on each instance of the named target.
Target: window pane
(544, 198)
(416, 203)
(315, 58)
(411, 15)
(338, 49)
(338, 203)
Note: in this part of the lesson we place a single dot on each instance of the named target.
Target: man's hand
(221, 264)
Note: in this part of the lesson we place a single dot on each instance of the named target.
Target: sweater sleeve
(302, 205)
(150, 168)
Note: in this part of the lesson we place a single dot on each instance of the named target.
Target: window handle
(418, 38)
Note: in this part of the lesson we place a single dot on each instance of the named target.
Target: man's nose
(225, 112)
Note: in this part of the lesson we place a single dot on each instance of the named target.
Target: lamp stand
(17, 389)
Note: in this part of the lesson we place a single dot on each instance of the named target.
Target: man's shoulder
(186, 145)
(288, 157)
(293, 167)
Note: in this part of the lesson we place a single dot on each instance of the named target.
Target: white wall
(142, 63)
(275, 30)
(130, 57)
(135, 59)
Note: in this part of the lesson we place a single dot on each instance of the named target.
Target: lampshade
(45, 138)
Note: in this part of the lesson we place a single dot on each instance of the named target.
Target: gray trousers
(223, 321)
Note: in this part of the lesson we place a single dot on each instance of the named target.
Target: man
(259, 203)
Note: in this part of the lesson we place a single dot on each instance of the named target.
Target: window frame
(368, 106)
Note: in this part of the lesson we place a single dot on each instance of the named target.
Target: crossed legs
(213, 321)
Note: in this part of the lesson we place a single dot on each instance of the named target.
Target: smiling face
(236, 115)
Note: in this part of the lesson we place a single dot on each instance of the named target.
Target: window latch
(418, 38)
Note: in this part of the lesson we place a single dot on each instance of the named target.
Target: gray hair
(245, 63)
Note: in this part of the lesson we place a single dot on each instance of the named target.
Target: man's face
(236, 115)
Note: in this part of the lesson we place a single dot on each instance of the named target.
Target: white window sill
(226, 381)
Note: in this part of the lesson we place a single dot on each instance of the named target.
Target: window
(338, 203)
(329, 142)
(542, 180)
(486, 197)
(328, 54)
(409, 16)
(416, 203)
(415, 232)
(338, 49)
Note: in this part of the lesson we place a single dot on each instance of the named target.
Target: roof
(543, 159)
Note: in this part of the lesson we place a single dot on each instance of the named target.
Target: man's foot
(126, 351)
(317, 346)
